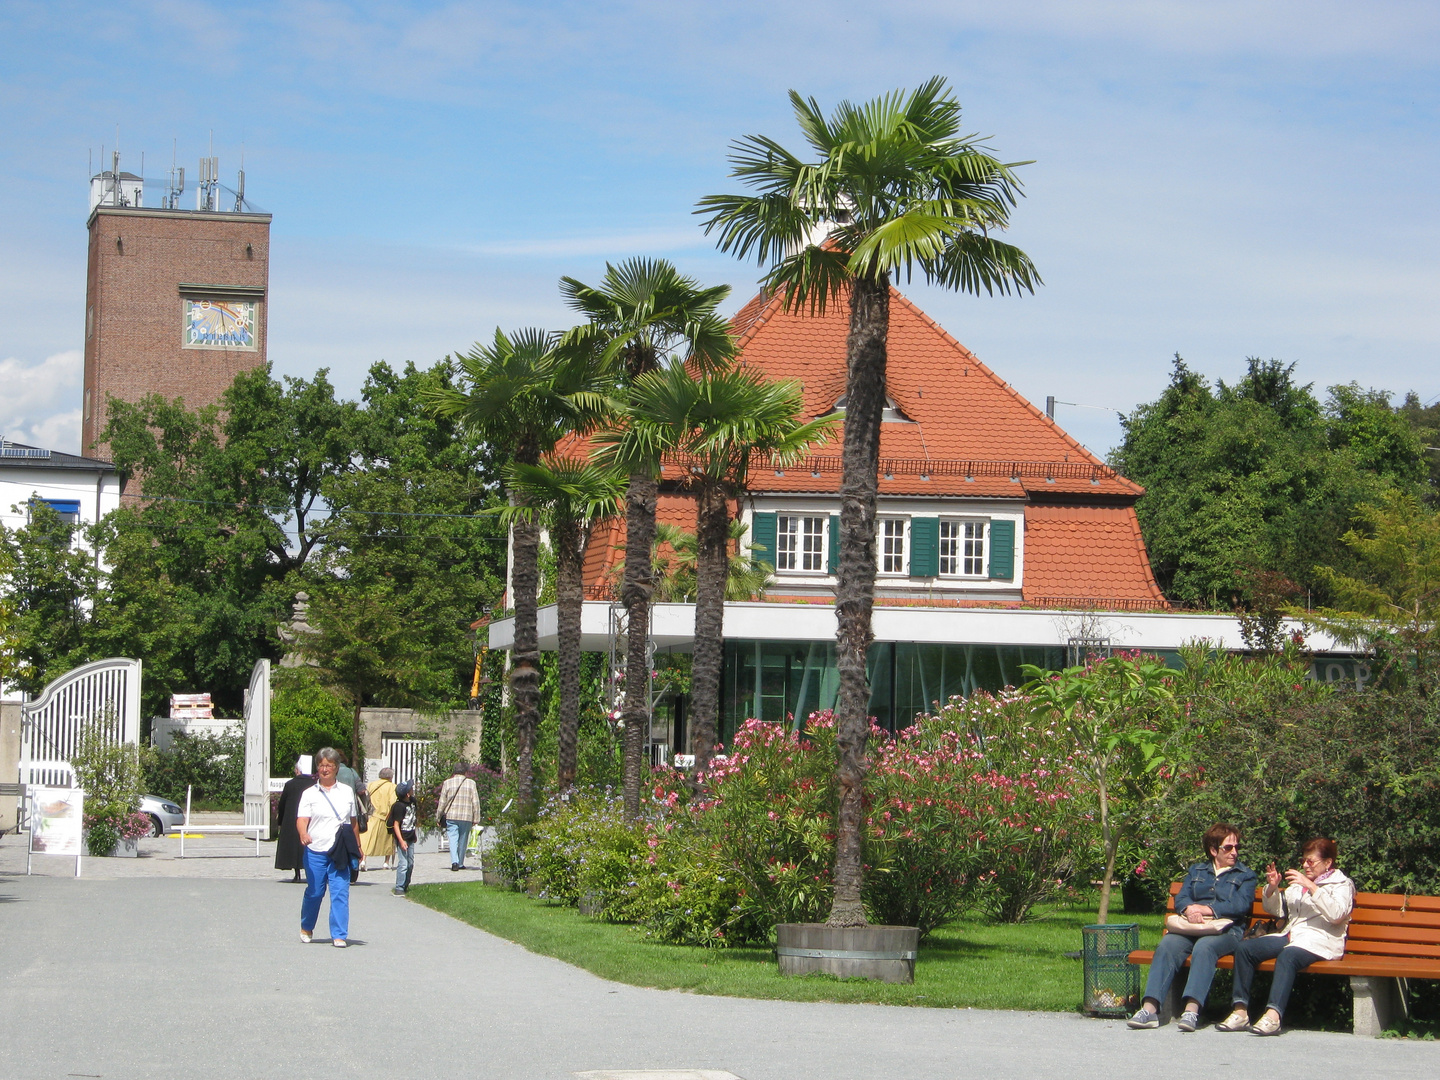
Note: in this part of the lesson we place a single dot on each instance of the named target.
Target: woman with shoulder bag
(1211, 911)
(326, 821)
(1317, 902)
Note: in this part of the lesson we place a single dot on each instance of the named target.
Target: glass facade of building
(774, 680)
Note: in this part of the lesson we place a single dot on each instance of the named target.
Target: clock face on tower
(219, 324)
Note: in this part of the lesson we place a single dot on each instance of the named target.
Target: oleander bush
(954, 816)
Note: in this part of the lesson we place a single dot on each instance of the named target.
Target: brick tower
(174, 297)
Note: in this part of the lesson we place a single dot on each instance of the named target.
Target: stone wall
(377, 723)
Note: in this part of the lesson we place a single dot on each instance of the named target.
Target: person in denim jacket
(1220, 887)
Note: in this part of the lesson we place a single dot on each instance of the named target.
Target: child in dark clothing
(401, 823)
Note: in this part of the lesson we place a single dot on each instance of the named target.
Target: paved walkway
(179, 976)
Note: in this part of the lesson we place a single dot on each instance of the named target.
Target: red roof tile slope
(964, 417)
(1086, 553)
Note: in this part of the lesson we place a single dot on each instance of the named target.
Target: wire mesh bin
(1112, 983)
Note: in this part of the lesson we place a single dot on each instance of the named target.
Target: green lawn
(973, 963)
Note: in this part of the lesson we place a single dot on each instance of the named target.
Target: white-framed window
(962, 548)
(892, 545)
(799, 542)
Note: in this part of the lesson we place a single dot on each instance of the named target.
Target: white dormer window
(962, 548)
(892, 545)
(890, 414)
(799, 543)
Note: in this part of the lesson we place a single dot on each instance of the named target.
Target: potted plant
(109, 774)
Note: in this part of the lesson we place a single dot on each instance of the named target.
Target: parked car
(164, 814)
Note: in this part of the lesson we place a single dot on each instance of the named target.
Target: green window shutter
(924, 546)
(1002, 549)
(833, 552)
(762, 534)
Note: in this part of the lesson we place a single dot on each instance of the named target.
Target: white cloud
(32, 408)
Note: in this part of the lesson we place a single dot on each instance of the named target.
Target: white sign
(57, 817)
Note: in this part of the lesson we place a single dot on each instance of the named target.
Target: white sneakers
(339, 943)
(305, 937)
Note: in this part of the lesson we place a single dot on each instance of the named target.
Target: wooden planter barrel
(886, 953)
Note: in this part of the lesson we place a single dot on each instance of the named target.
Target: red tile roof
(1075, 554)
(972, 433)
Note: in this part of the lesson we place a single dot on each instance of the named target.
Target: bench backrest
(1381, 924)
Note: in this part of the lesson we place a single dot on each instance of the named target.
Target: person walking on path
(377, 839)
(327, 829)
(400, 823)
(457, 810)
(289, 852)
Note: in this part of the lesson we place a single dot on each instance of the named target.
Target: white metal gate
(257, 748)
(407, 755)
(51, 726)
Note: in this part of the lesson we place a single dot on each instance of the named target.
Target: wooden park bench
(1391, 937)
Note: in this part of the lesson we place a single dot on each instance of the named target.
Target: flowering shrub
(1031, 830)
(974, 804)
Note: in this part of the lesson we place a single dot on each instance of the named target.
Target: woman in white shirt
(1316, 903)
(326, 821)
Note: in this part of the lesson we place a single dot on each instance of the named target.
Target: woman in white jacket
(1317, 903)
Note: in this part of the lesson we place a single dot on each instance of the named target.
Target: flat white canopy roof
(673, 626)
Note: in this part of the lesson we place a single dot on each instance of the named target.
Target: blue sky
(1219, 179)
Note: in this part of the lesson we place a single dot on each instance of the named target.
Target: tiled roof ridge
(765, 306)
(896, 294)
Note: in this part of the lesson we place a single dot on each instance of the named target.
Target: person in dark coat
(288, 849)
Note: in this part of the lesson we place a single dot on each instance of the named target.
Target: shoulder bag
(1271, 927)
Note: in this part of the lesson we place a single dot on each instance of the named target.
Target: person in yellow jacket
(376, 839)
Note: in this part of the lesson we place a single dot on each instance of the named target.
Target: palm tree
(523, 395)
(894, 188)
(569, 498)
(747, 578)
(717, 423)
(643, 312)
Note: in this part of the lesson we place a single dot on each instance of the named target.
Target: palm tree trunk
(570, 605)
(712, 567)
(640, 497)
(525, 668)
(855, 583)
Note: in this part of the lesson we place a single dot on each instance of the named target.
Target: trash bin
(1112, 983)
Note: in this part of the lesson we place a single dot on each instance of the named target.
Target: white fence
(51, 726)
(257, 749)
(408, 756)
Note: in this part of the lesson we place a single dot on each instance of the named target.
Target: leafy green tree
(1392, 600)
(523, 393)
(1424, 421)
(639, 317)
(1129, 737)
(228, 507)
(48, 588)
(1257, 477)
(408, 559)
(305, 715)
(894, 188)
(569, 498)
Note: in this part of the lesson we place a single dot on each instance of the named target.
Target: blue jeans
(404, 864)
(319, 873)
(458, 833)
(1170, 957)
(1289, 959)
